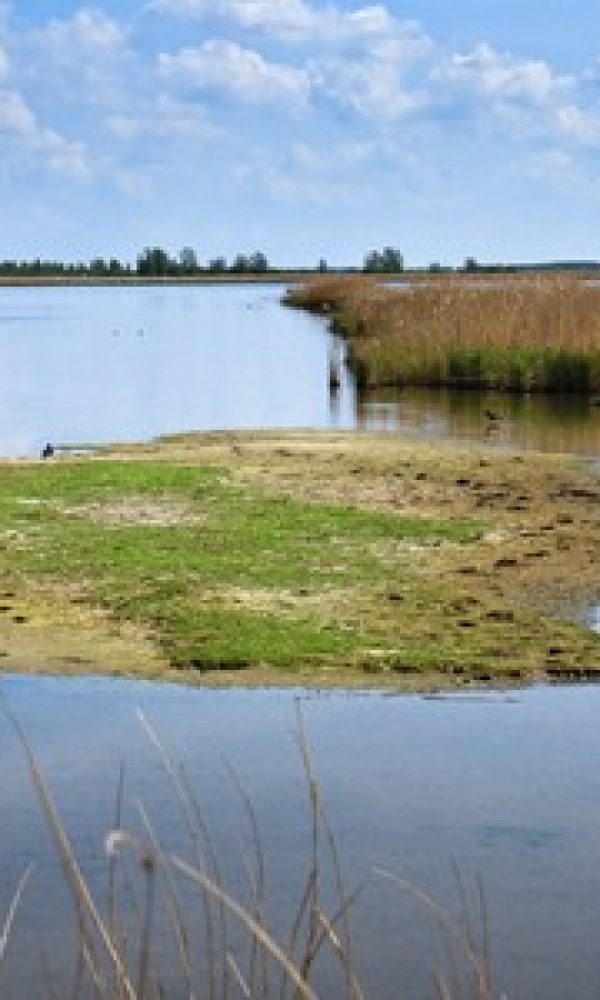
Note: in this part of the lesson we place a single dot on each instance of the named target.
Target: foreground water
(120, 363)
(505, 786)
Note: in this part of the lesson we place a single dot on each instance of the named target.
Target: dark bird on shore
(47, 451)
(491, 416)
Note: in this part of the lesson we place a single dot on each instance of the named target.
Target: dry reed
(121, 956)
(534, 334)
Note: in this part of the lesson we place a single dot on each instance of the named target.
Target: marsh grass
(535, 334)
(220, 586)
(152, 939)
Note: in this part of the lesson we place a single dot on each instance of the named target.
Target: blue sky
(303, 128)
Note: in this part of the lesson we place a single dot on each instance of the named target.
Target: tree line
(151, 262)
(155, 261)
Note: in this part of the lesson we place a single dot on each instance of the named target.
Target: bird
(491, 416)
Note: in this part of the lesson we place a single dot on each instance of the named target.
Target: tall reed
(534, 334)
(123, 951)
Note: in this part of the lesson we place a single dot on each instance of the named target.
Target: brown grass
(538, 333)
(146, 954)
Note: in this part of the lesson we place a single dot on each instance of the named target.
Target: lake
(99, 364)
(505, 786)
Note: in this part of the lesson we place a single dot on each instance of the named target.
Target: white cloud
(526, 98)
(375, 83)
(83, 55)
(502, 76)
(575, 123)
(372, 88)
(15, 116)
(4, 64)
(243, 73)
(292, 20)
(19, 124)
(88, 31)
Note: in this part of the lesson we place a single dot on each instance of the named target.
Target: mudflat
(304, 558)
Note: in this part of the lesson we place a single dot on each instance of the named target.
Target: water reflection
(546, 423)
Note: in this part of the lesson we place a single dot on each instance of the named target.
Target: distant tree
(188, 260)
(387, 261)
(155, 262)
(98, 267)
(240, 264)
(258, 263)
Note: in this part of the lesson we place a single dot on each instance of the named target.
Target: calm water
(106, 364)
(504, 786)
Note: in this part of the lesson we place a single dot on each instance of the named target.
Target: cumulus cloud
(372, 88)
(88, 31)
(292, 20)
(87, 51)
(241, 72)
(578, 124)
(20, 125)
(379, 82)
(501, 75)
(526, 98)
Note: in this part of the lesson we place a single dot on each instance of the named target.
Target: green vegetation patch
(221, 575)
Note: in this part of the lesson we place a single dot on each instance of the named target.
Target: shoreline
(404, 592)
(83, 281)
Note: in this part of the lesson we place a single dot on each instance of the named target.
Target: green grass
(238, 578)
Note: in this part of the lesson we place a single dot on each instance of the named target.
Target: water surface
(116, 363)
(504, 786)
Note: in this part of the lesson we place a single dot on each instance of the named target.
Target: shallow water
(505, 786)
(120, 363)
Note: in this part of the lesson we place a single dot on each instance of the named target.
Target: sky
(306, 129)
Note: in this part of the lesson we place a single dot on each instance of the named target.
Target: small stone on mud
(498, 615)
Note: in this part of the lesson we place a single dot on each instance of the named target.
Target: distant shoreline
(282, 277)
(48, 281)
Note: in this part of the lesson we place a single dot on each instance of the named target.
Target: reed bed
(534, 334)
(169, 927)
